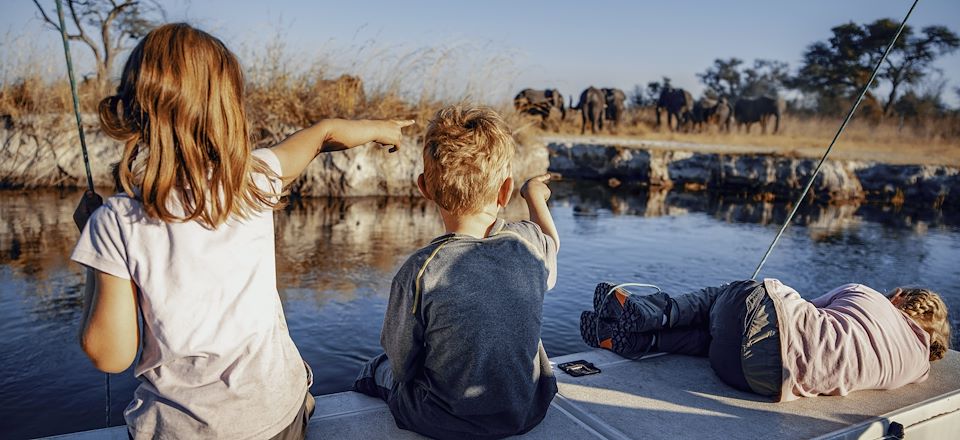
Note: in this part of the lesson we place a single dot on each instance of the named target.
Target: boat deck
(676, 397)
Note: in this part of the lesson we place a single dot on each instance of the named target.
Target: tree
(923, 101)
(723, 77)
(107, 27)
(765, 78)
(840, 66)
(730, 78)
(651, 94)
(637, 97)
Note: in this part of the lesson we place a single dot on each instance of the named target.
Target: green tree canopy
(732, 78)
(839, 67)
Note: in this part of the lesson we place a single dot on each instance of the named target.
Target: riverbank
(746, 170)
(52, 158)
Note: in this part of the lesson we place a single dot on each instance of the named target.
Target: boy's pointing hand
(536, 188)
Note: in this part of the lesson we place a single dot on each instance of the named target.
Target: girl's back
(189, 246)
(215, 341)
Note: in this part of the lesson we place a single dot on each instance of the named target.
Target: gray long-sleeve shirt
(462, 332)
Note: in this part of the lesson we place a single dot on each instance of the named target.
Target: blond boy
(461, 334)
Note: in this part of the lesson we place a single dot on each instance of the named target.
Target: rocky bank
(50, 156)
(47, 154)
(754, 173)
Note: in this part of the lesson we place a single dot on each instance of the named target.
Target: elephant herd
(596, 106)
(683, 113)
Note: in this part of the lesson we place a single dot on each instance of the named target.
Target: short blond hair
(928, 310)
(467, 153)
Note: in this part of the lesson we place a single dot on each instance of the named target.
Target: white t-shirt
(217, 357)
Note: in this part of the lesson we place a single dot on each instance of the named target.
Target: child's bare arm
(536, 193)
(109, 334)
(298, 150)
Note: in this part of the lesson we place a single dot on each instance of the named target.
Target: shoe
(643, 313)
(596, 332)
(609, 305)
(630, 344)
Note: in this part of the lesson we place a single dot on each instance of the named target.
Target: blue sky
(568, 45)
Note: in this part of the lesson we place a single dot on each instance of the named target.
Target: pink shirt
(850, 339)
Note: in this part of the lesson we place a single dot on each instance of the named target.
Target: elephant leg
(600, 119)
(763, 125)
(776, 127)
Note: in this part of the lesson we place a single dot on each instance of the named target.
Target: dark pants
(376, 378)
(735, 326)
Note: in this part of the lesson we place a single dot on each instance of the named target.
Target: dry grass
(384, 82)
(931, 141)
(285, 92)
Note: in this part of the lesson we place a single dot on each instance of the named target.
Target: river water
(336, 258)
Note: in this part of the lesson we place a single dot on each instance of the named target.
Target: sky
(509, 45)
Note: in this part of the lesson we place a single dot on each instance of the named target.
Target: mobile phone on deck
(578, 368)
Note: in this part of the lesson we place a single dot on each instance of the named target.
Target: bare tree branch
(46, 18)
(83, 34)
(108, 48)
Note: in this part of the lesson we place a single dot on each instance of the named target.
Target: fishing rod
(843, 125)
(86, 158)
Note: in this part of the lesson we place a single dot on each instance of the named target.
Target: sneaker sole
(588, 328)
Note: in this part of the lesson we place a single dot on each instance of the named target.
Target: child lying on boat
(762, 337)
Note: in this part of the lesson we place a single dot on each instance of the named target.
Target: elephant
(614, 99)
(539, 103)
(710, 111)
(592, 108)
(747, 111)
(722, 115)
(677, 103)
(702, 111)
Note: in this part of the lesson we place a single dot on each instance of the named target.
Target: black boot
(645, 313)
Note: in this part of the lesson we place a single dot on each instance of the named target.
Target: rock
(756, 173)
(54, 159)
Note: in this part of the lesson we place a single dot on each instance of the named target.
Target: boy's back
(461, 336)
(462, 331)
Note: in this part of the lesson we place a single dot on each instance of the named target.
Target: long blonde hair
(179, 110)
(928, 310)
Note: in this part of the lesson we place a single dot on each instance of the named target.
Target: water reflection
(349, 245)
(336, 258)
(822, 220)
(340, 248)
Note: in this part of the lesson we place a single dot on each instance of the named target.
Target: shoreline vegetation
(39, 146)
